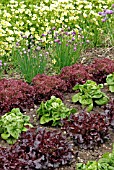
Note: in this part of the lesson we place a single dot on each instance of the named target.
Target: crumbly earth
(81, 155)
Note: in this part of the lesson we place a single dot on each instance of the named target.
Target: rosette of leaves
(15, 94)
(12, 124)
(100, 68)
(52, 111)
(105, 162)
(86, 129)
(75, 74)
(45, 86)
(90, 94)
(37, 149)
(110, 81)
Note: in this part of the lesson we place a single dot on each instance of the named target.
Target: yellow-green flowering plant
(37, 17)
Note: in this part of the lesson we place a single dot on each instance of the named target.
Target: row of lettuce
(39, 17)
(19, 94)
(38, 148)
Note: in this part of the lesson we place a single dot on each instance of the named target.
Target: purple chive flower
(67, 45)
(102, 13)
(38, 48)
(53, 28)
(62, 30)
(73, 39)
(80, 29)
(75, 49)
(112, 5)
(66, 33)
(59, 43)
(47, 53)
(73, 33)
(5, 64)
(49, 32)
(43, 35)
(55, 37)
(17, 44)
(109, 11)
(57, 40)
(24, 36)
(104, 19)
(0, 64)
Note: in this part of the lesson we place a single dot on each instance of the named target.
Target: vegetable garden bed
(56, 85)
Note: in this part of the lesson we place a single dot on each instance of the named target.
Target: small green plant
(110, 82)
(105, 163)
(89, 94)
(53, 111)
(29, 59)
(66, 48)
(12, 124)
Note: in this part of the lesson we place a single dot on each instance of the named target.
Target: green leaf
(91, 165)
(26, 118)
(44, 119)
(5, 136)
(99, 95)
(28, 124)
(11, 141)
(103, 100)
(15, 133)
(111, 88)
(80, 166)
(24, 129)
(75, 98)
(90, 107)
(110, 79)
(76, 87)
(73, 110)
(85, 101)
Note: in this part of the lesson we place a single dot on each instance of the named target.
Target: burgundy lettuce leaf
(100, 68)
(37, 149)
(46, 86)
(109, 112)
(15, 94)
(87, 129)
(75, 74)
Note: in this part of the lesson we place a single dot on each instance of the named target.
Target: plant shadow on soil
(81, 155)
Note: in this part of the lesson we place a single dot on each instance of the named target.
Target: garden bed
(80, 155)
